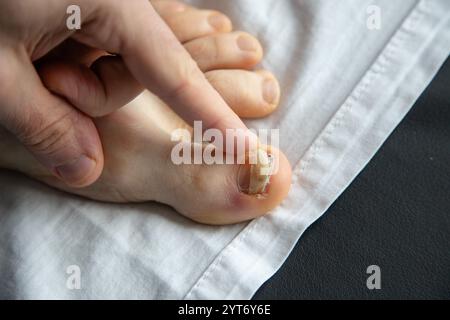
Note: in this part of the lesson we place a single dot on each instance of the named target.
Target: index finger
(160, 63)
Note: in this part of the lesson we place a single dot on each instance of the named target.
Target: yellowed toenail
(247, 43)
(271, 91)
(218, 21)
(254, 179)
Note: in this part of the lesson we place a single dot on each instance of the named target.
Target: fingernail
(247, 43)
(271, 91)
(218, 21)
(75, 171)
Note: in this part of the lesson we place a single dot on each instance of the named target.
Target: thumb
(62, 138)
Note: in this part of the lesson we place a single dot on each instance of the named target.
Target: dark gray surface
(396, 215)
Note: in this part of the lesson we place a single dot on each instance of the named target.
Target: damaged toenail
(255, 178)
(218, 21)
(271, 91)
(247, 43)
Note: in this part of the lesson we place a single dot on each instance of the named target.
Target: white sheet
(345, 89)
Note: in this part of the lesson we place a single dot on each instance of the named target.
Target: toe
(237, 50)
(249, 94)
(190, 24)
(166, 8)
(212, 194)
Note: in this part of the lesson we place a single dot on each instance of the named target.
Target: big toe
(228, 194)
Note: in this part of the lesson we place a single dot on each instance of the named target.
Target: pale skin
(136, 140)
(54, 123)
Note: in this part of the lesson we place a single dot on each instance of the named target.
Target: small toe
(212, 194)
(249, 94)
(191, 24)
(236, 50)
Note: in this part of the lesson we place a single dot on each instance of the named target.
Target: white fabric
(345, 89)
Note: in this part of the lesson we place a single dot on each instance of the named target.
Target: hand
(54, 122)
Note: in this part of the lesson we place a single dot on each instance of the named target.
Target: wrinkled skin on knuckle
(46, 137)
(199, 48)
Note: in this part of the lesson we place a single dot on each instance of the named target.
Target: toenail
(271, 91)
(254, 179)
(218, 21)
(247, 43)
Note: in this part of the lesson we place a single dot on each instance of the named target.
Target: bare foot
(137, 138)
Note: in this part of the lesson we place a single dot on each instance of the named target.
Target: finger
(97, 91)
(249, 94)
(237, 50)
(64, 140)
(159, 62)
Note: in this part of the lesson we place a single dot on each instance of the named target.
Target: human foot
(137, 139)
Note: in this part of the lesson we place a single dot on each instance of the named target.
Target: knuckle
(107, 28)
(89, 95)
(187, 83)
(46, 137)
(217, 48)
(199, 49)
(225, 84)
(207, 51)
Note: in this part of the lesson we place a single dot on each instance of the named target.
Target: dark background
(396, 215)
